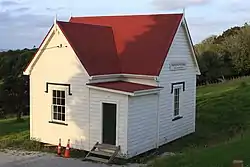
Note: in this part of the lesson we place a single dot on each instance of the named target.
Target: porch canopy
(127, 88)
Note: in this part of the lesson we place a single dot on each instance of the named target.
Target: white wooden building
(128, 81)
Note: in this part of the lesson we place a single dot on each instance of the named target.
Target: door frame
(117, 119)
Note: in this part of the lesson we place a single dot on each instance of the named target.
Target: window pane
(54, 100)
(62, 101)
(175, 98)
(54, 93)
(175, 91)
(59, 109)
(63, 94)
(54, 108)
(58, 101)
(55, 116)
(176, 112)
(63, 117)
(63, 110)
(59, 116)
(58, 93)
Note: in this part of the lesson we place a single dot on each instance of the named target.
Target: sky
(24, 23)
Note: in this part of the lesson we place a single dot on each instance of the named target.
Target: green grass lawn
(223, 126)
(11, 126)
(218, 156)
(15, 134)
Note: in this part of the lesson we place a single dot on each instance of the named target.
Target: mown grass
(223, 126)
(15, 135)
(217, 156)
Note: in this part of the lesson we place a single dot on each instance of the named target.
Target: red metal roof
(94, 46)
(123, 86)
(135, 44)
(142, 41)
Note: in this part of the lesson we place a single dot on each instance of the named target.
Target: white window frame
(176, 103)
(60, 98)
(181, 88)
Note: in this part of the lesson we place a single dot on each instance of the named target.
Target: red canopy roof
(123, 86)
(142, 41)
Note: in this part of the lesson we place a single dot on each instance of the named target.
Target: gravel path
(34, 159)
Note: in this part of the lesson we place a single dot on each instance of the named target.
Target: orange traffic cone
(67, 152)
(59, 148)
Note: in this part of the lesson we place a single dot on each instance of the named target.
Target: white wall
(170, 130)
(97, 97)
(142, 124)
(59, 65)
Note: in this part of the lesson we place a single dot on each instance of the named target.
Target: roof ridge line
(124, 15)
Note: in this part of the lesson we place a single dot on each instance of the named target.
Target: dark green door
(109, 123)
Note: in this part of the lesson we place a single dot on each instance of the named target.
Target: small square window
(63, 110)
(63, 94)
(55, 116)
(59, 116)
(58, 93)
(63, 117)
(59, 109)
(54, 93)
(62, 101)
(54, 100)
(58, 101)
(55, 108)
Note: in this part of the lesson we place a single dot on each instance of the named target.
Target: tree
(205, 45)
(211, 65)
(14, 90)
(239, 47)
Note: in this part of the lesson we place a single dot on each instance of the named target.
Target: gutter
(136, 93)
(112, 76)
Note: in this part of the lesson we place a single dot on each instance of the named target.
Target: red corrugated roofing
(94, 46)
(142, 41)
(123, 86)
(122, 44)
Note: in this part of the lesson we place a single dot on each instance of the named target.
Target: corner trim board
(178, 83)
(61, 84)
